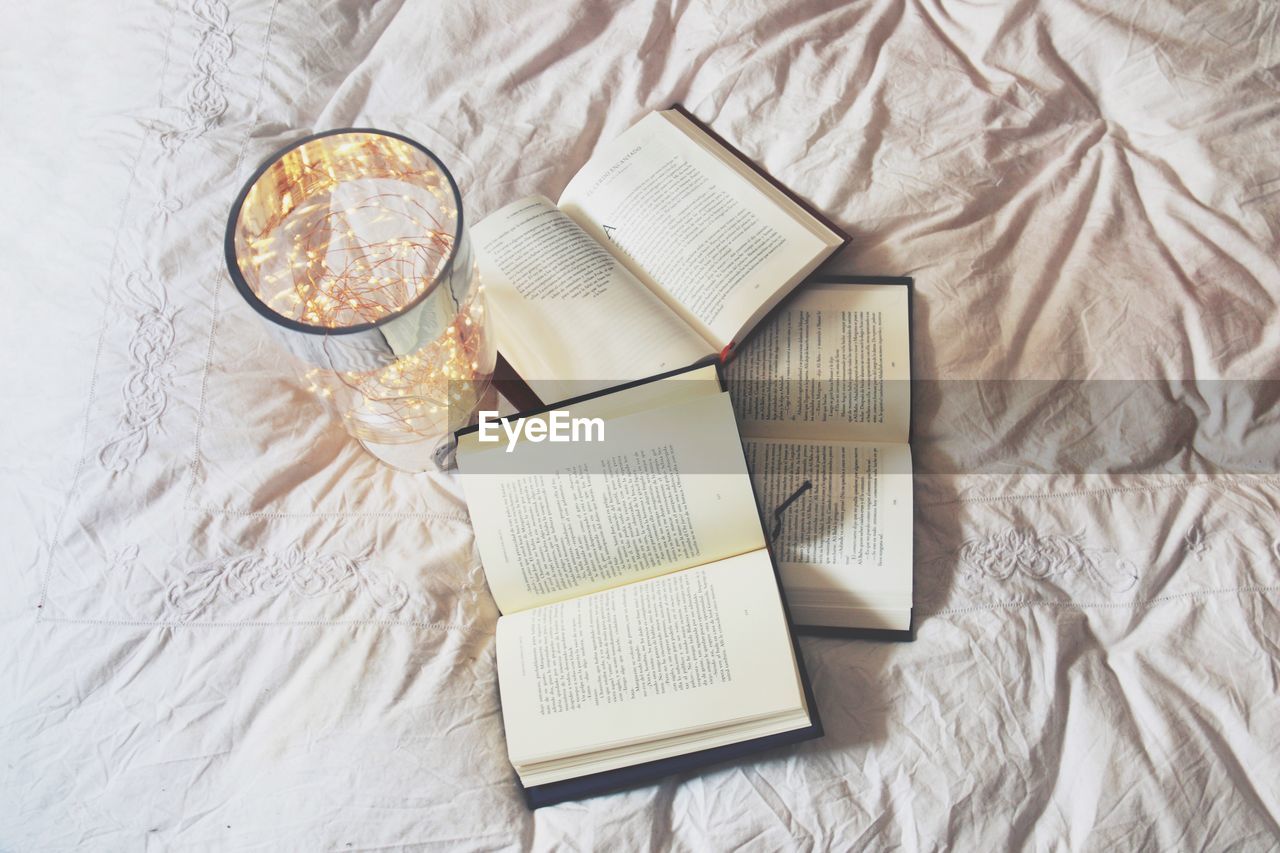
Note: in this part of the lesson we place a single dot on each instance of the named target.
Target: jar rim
(247, 292)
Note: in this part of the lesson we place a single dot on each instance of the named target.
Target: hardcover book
(822, 391)
(666, 247)
(643, 631)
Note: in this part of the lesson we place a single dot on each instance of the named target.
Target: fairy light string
(330, 245)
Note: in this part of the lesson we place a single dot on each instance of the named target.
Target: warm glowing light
(345, 233)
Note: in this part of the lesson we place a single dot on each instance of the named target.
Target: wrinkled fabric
(227, 627)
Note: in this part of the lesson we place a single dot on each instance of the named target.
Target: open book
(664, 248)
(643, 629)
(823, 396)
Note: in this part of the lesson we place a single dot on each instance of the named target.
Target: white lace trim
(1000, 556)
(146, 391)
(293, 574)
(206, 96)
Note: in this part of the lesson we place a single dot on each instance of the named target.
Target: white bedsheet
(226, 627)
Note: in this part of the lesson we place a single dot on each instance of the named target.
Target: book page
(666, 489)
(687, 652)
(834, 363)
(690, 226)
(848, 537)
(567, 315)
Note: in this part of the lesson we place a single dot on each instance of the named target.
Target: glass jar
(351, 243)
